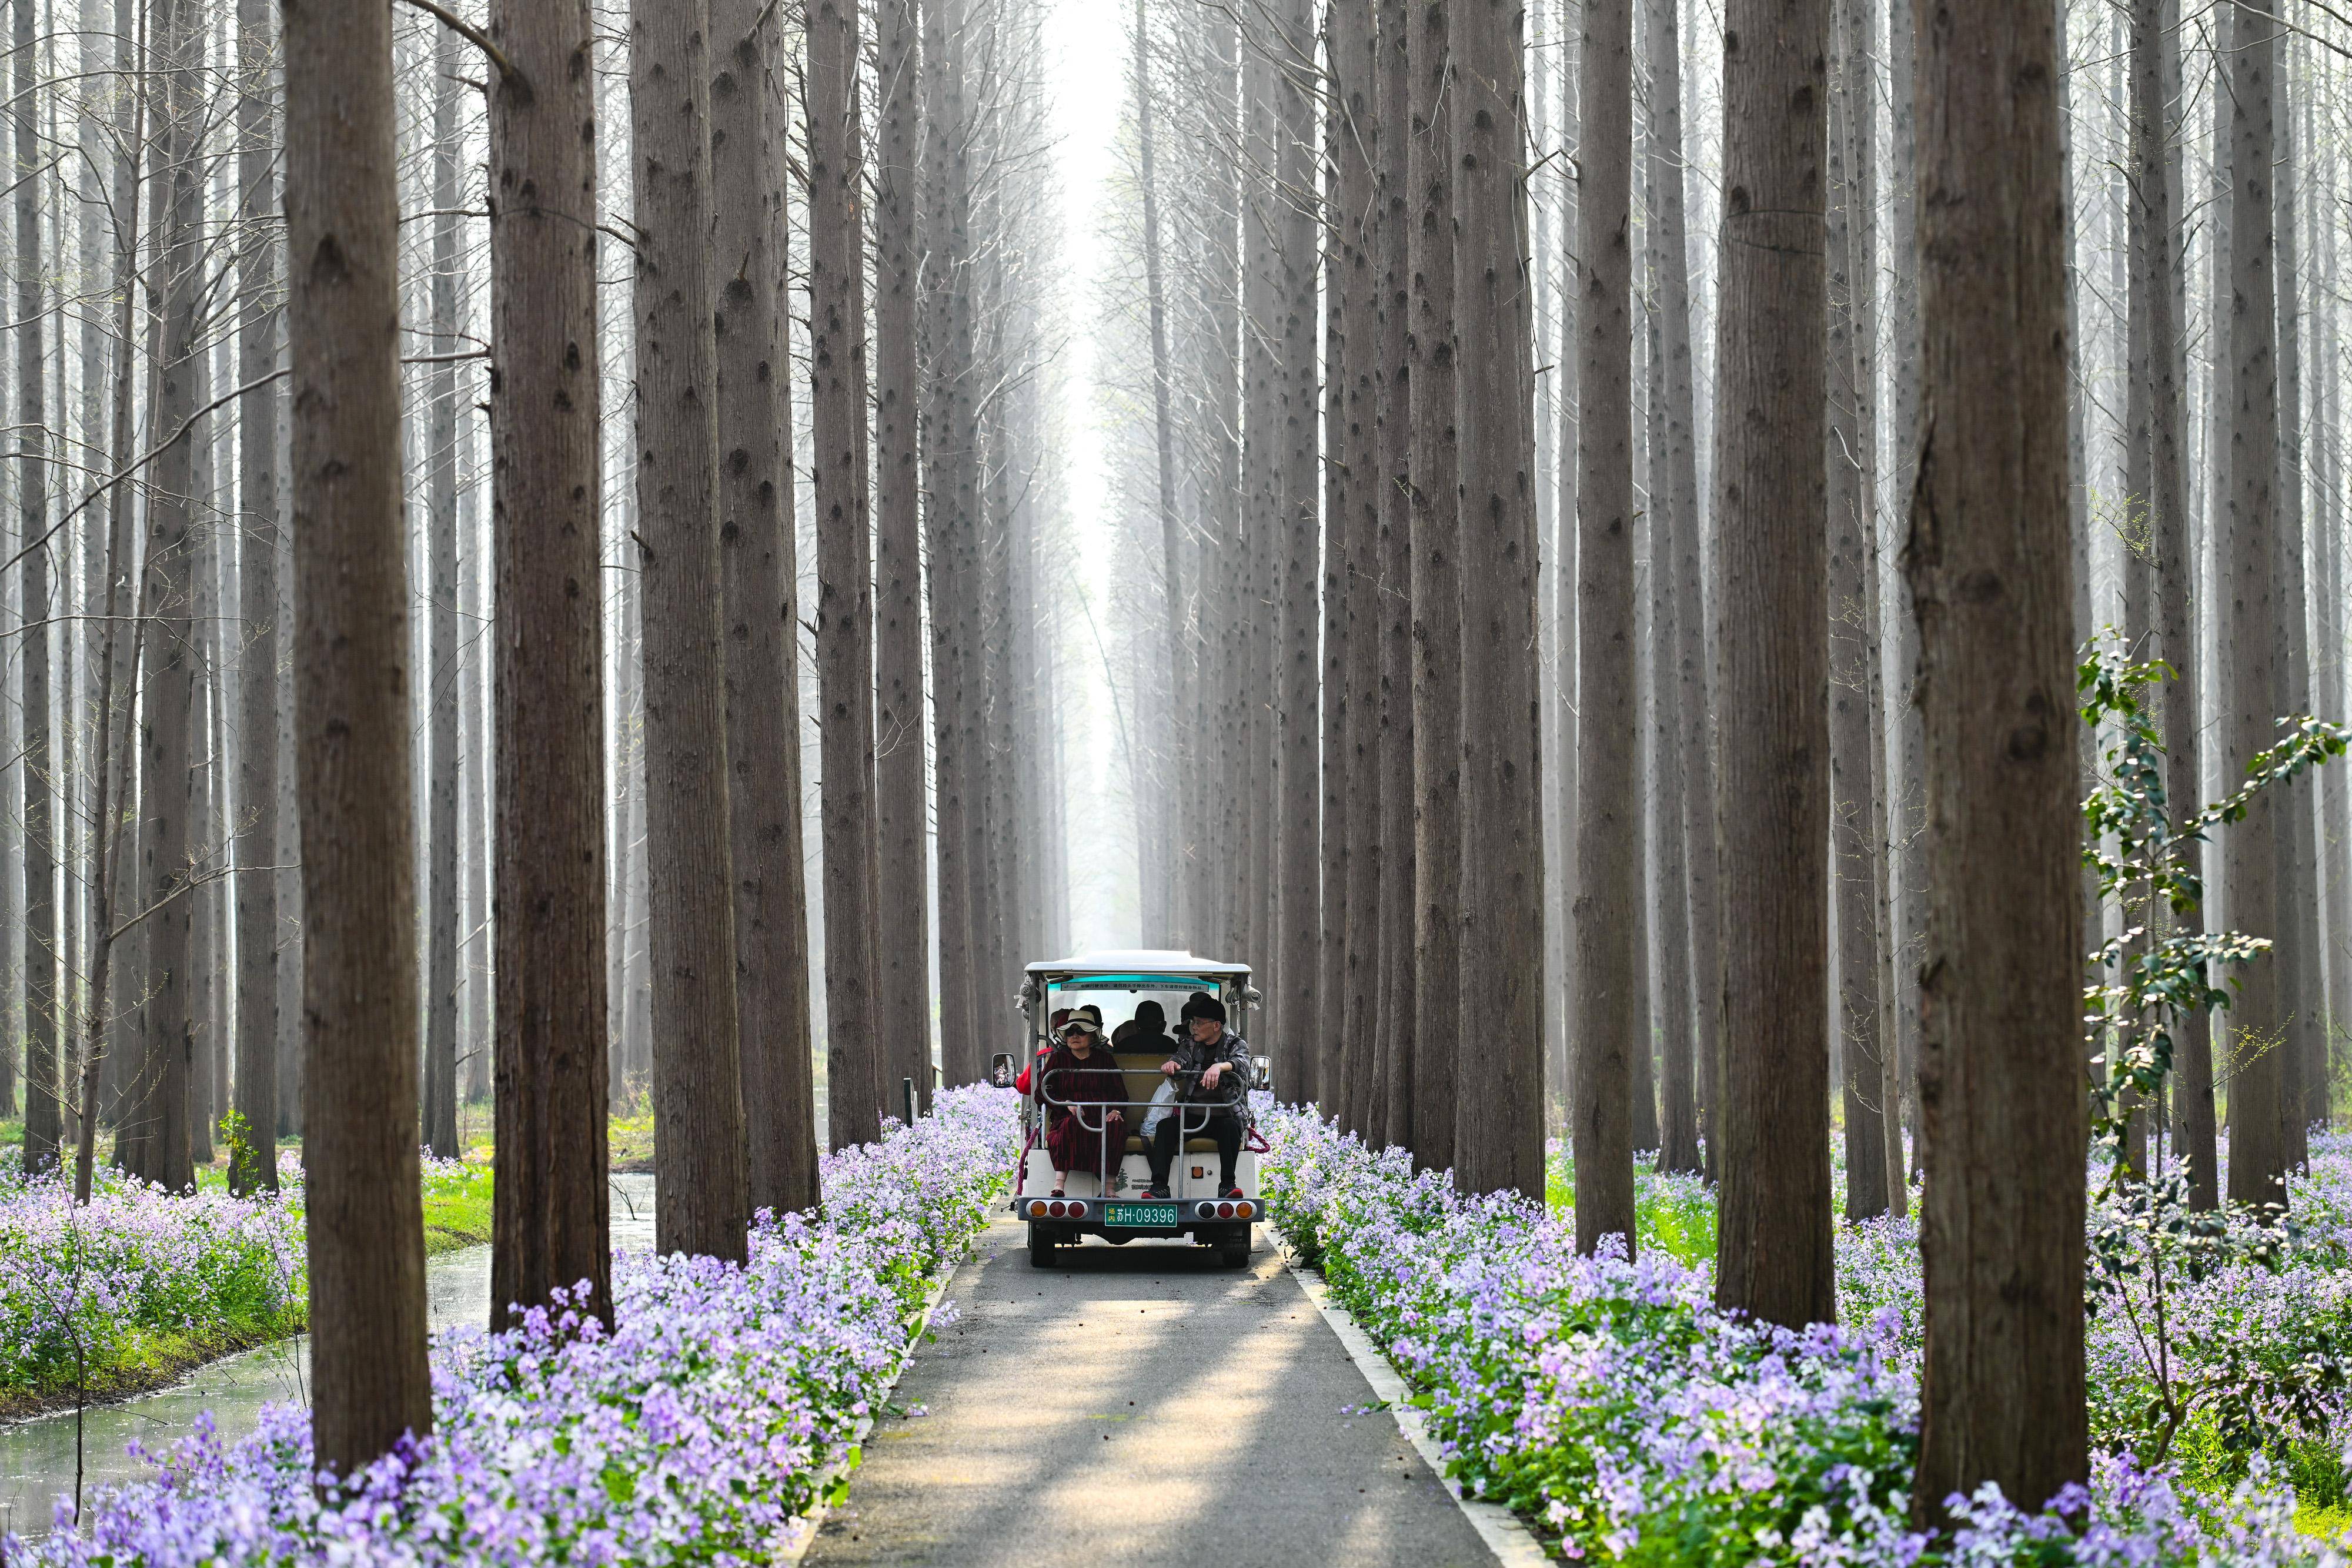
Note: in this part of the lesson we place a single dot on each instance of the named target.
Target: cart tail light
(1224, 1211)
(1206, 1210)
(1037, 1210)
(1244, 1210)
(1059, 1209)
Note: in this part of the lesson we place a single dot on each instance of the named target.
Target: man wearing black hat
(1212, 1069)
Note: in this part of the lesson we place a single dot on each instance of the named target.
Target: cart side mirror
(1000, 1070)
(1265, 1065)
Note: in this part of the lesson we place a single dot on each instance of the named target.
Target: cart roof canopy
(1137, 969)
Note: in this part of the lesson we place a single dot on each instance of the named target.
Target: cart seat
(1144, 1078)
(1191, 1146)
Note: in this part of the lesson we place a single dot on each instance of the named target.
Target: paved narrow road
(1139, 1405)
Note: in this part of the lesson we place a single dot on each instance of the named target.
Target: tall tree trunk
(854, 1047)
(362, 1207)
(43, 1127)
(1436, 593)
(158, 1114)
(903, 1008)
(2256, 1069)
(1295, 1004)
(442, 671)
(254, 1165)
(1566, 577)
(1853, 844)
(951, 467)
(1607, 790)
(2297, 950)
(702, 1202)
(1355, 1070)
(1347, 1071)
(757, 557)
(1773, 1250)
(1395, 1005)
(1160, 860)
(553, 1063)
(1990, 574)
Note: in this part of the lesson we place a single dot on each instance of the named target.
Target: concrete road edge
(1512, 1542)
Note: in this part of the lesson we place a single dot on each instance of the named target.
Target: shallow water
(36, 1457)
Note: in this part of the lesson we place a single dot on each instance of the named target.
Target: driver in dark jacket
(1212, 1069)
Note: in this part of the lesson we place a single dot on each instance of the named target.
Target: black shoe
(1158, 1192)
(1232, 1192)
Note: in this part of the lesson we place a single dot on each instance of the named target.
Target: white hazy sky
(1089, 78)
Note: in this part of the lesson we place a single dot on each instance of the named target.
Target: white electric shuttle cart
(1115, 1208)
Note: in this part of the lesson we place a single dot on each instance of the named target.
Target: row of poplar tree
(158, 920)
(1757, 877)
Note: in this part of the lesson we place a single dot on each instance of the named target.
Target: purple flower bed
(136, 1282)
(1627, 1419)
(699, 1430)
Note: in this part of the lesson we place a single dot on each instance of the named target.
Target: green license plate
(1139, 1214)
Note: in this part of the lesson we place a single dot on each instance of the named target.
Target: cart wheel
(1234, 1254)
(1043, 1251)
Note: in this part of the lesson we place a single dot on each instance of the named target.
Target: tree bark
(1435, 530)
(362, 1209)
(1853, 844)
(903, 1008)
(702, 1201)
(1160, 860)
(551, 1054)
(1355, 1067)
(2001, 1068)
(43, 1126)
(1608, 791)
(260, 696)
(756, 563)
(1396, 1004)
(1295, 1004)
(441, 673)
(854, 1048)
(1773, 1253)
(156, 1115)
(2256, 1069)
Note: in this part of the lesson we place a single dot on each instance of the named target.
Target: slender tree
(1297, 903)
(757, 560)
(903, 1007)
(1773, 1255)
(1353, 1064)
(2000, 1070)
(362, 1209)
(442, 671)
(1609, 802)
(702, 1202)
(1437, 600)
(2257, 1066)
(1397, 1005)
(254, 1166)
(1499, 1116)
(44, 1128)
(854, 1049)
(550, 1200)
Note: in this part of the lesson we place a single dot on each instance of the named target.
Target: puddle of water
(36, 1457)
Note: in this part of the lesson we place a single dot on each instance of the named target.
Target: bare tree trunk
(757, 558)
(442, 671)
(1355, 1072)
(551, 1199)
(702, 1202)
(1565, 577)
(1990, 574)
(1396, 1006)
(2256, 1071)
(1294, 1005)
(2297, 950)
(362, 1208)
(1607, 790)
(1773, 1251)
(1853, 843)
(255, 1168)
(854, 1049)
(903, 1008)
(950, 466)
(158, 1111)
(43, 1126)
(1159, 861)
(1430, 361)
(1907, 827)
